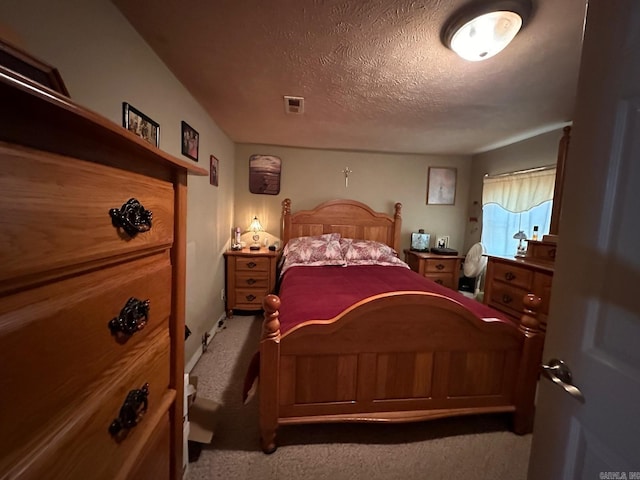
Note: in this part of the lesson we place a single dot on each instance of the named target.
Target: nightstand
(250, 276)
(442, 269)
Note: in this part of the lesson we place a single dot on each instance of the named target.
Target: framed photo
(214, 165)
(25, 65)
(441, 186)
(264, 174)
(190, 141)
(442, 241)
(137, 122)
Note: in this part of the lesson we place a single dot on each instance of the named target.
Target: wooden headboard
(349, 218)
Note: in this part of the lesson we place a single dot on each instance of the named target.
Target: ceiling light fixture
(481, 29)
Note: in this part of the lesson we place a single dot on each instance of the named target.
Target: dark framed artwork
(137, 122)
(264, 174)
(190, 141)
(441, 186)
(214, 166)
(25, 65)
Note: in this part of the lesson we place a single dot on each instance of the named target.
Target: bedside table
(442, 269)
(250, 276)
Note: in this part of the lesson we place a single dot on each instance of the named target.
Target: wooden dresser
(250, 276)
(92, 293)
(442, 269)
(508, 279)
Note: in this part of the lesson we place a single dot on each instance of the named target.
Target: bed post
(397, 227)
(529, 369)
(286, 221)
(269, 373)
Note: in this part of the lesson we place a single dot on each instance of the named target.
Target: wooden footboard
(397, 357)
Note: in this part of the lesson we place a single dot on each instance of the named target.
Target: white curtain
(519, 192)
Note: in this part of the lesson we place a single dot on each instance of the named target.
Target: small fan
(474, 264)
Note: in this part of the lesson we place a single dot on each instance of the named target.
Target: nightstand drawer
(249, 299)
(252, 280)
(254, 264)
(513, 275)
(440, 266)
(444, 279)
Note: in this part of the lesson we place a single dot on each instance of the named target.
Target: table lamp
(255, 227)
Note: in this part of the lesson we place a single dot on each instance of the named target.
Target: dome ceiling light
(480, 30)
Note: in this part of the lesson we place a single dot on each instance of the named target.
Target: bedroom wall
(310, 177)
(103, 62)
(534, 152)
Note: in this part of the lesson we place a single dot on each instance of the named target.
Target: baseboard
(196, 356)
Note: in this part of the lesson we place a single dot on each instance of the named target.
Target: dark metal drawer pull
(132, 217)
(440, 266)
(252, 265)
(251, 297)
(132, 410)
(509, 276)
(506, 298)
(439, 281)
(133, 317)
(251, 281)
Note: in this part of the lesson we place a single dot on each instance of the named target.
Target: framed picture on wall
(137, 122)
(190, 141)
(441, 186)
(264, 174)
(214, 165)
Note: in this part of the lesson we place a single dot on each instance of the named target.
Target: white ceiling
(374, 73)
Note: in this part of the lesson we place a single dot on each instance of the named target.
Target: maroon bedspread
(320, 293)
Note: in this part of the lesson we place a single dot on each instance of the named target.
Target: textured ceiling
(374, 73)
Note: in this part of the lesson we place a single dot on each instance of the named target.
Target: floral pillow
(369, 252)
(313, 251)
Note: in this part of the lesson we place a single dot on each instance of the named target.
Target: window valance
(519, 192)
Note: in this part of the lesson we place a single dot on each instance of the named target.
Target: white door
(594, 323)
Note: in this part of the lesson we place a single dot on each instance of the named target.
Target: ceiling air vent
(294, 105)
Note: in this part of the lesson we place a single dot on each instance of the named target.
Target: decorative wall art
(190, 141)
(24, 64)
(441, 186)
(137, 122)
(214, 166)
(264, 174)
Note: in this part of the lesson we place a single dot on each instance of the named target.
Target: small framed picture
(442, 241)
(190, 141)
(213, 170)
(441, 186)
(137, 122)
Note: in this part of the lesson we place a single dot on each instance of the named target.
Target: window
(514, 202)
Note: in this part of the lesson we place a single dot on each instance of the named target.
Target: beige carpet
(477, 448)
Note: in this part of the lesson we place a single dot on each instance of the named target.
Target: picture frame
(26, 65)
(214, 171)
(442, 241)
(190, 141)
(264, 174)
(441, 185)
(140, 124)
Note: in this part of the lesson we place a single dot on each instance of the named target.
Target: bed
(401, 353)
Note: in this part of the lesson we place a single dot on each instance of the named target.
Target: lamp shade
(255, 225)
(483, 29)
(520, 235)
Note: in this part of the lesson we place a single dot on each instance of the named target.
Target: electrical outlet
(222, 295)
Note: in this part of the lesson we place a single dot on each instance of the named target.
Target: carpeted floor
(480, 447)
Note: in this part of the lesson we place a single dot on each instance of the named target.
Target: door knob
(559, 373)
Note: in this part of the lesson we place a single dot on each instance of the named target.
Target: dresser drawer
(84, 447)
(57, 341)
(258, 280)
(513, 275)
(439, 266)
(253, 264)
(508, 296)
(56, 212)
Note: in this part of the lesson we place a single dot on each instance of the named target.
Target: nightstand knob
(439, 266)
(251, 281)
(252, 265)
(509, 276)
(439, 281)
(250, 297)
(506, 298)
